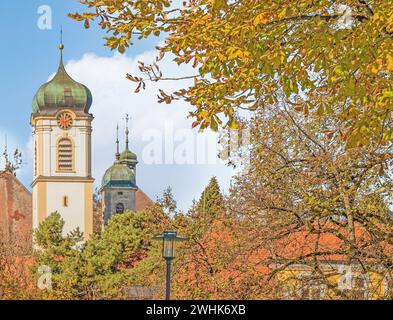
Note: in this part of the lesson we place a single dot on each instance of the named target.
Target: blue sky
(29, 55)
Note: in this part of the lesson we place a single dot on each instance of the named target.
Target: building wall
(51, 186)
(97, 216)
(74, 213)
(15, 210)
(47, 134)
(114, 196)
(103, 209)
(296, 282)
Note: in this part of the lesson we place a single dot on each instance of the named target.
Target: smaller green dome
(128, 155)
(119, 175)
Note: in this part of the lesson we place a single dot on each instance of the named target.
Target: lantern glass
(168, 251)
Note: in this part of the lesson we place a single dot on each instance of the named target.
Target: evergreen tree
(102, 267)
(211, 203)
(202, 215)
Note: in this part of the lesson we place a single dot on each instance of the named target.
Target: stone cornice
(62, 179)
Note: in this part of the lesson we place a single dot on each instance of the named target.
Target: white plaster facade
(51, 186)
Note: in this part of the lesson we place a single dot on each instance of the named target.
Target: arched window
(65, 155)
(120, 208)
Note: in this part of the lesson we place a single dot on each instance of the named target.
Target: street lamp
(168, 253)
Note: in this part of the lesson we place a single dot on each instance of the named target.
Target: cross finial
(61, 46)
(127, 131)
(117, 143)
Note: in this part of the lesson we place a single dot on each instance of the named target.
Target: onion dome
(119, 175)
(128, 156)
(62, 92)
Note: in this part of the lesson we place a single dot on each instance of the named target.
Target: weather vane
(117, 143)
(127, 131)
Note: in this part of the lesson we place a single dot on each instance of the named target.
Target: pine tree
(211, 204)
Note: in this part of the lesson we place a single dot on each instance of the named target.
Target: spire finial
(61, 46)
(127, 131)
(117, 143)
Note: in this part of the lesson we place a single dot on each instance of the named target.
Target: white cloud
(113, 97)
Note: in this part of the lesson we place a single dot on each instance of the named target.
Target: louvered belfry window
(65, 155)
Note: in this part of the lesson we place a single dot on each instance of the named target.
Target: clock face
(64, 121)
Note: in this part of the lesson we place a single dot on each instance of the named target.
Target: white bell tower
(62, 127)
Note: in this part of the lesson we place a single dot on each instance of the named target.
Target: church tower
(118, 189)
(62, 128)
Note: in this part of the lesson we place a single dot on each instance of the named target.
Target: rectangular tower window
(65, 202)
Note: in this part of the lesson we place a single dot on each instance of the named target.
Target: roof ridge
(9, 174)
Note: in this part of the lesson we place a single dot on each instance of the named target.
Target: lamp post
(168, 253)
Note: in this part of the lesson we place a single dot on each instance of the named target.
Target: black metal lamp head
(169, 237)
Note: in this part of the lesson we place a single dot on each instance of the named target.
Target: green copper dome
(128, 155)
(123, 172)
(62, 92)
(119, 175)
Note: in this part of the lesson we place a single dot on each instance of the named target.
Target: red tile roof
(142, 201)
